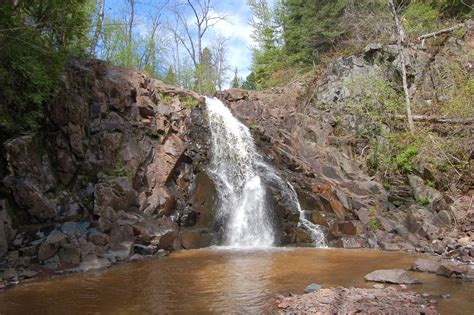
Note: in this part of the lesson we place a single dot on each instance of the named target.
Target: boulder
(313, 287)
(196, 238)
(69, 255)
(116, 193)
(7, 233)
(450, 270)
(422, 191)
(396, 276)
(29, 196)
(425, 265)
(51, 245)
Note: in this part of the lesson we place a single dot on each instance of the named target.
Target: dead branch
(466, 24)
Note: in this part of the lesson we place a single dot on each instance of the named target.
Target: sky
(235, 28)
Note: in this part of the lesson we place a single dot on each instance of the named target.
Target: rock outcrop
(117, 172)
(310, 133)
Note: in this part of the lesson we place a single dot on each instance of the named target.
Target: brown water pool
(219, 281)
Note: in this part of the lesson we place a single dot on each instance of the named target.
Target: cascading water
(236, 168)
(242, 194)
(314, 230)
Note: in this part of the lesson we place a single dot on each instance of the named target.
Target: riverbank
(354, 301)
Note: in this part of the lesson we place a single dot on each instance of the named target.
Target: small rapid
(237, 170)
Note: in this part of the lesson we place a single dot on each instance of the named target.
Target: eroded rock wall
(116, 173)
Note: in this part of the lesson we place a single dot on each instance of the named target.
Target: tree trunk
(98, 28)
(401, 43)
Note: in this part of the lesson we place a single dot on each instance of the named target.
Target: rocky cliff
(119, 170)
(311, 133)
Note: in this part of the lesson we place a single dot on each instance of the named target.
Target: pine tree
(235, 84)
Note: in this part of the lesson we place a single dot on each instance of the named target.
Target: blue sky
(235, 28)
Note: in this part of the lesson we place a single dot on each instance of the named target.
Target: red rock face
(120, 154)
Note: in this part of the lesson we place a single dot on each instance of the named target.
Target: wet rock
(396, 276)
(449, 270)
(144, 250)
(197, 238)
(92, 262)
(27, 274)
(69, 255)
(313, 287)
(425, 265)
(120, 252)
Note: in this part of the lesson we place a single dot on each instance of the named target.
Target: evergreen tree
(249, 83)
(205, 74)
(236, 80)
(170, 77)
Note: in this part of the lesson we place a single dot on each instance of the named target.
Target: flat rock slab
(426, 265)
(397, 276)
(351, 301)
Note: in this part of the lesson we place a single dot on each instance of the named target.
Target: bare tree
(191, 35)
(131, 20)
(401, 42)
(98, 28)
(148, 58)
(219, 55)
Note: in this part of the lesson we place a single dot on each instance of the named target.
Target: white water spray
(234, 165)
(243, 200)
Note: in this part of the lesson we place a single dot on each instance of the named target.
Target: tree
(98, 28)
(249, 83)
(401, 41)
(170, 77)
(219, 61)
(191, 37)
(236, 80)
(205, 73)
(36, 37)
(266, 55)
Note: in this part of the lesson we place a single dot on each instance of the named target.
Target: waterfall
(242, 193)
(314, 230)
(236, 168)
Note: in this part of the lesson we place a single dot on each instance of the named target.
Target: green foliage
(249, 83)
(375, 97)
(204, 74)
(36, 37)
(423, 202)
(404, 160)
(235, 83)
(190, 102)
(170, 77)
(373, 224)
(419, 17)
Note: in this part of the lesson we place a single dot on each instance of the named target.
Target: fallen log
(439, 120)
